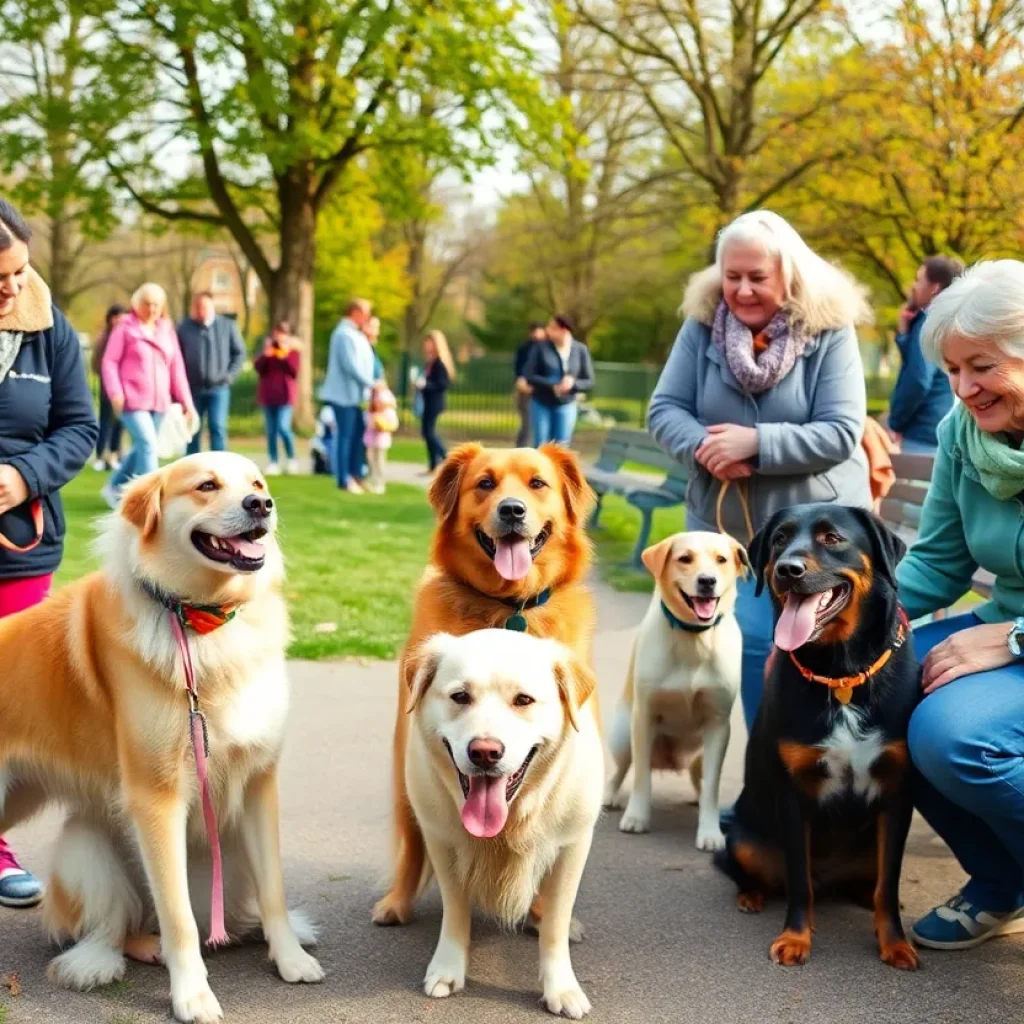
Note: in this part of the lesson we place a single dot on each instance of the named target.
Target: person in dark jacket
(523, 389)
(558, 370)
(922, 395)
(110, 426)
(214, 355)
(278, 369)
(47, 430)
(433, 383)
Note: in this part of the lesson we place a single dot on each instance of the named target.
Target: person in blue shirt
(922, 395)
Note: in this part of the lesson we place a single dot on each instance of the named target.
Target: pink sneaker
(18, 887)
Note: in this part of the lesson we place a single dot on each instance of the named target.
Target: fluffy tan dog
(683, 678)
(95, 715)
(504, 770)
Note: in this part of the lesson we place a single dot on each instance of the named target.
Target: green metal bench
(607, 477)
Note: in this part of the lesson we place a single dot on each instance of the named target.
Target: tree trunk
(291, 292)
(415, 237)
(60, 259)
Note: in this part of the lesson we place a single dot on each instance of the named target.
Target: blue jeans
(213, 407)
(348, 422)
(552, 422)
(967, 741)
(757, 623)
(142, 428)
(279, 425)
(436, 451)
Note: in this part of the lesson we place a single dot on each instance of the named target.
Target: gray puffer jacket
(809, 426)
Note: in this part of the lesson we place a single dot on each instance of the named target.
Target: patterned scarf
(760, 372)
(10, 345)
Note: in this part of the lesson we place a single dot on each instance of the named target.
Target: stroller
(322, 445)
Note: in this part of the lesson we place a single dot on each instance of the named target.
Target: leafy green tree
(57, 116)
(278, 100)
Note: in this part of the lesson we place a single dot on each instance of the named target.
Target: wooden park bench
(606, 476)
(901, 508)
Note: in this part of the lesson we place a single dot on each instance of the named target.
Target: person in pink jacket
(143, 374)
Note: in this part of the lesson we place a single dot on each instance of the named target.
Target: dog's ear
(577, 494)
(444, 490)
(760, 550)
(576, 685)
(886, 547)
(743, 567)
(656, 557)
(420, 669)
(142, 504)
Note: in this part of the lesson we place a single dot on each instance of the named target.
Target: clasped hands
(726, 449)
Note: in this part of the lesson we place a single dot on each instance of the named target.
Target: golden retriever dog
(504, 774)
(510, 550)
(96, 717)
(683, 678)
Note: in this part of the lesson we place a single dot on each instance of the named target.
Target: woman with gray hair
(763, 396)
(143, 373)
(967, 734)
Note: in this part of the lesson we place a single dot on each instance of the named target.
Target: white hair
(149, 292)
(985, 304)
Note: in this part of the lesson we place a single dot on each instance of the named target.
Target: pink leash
(201, 749)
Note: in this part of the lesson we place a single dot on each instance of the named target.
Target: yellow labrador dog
(504, 772)
(683, 678)
(95, 716)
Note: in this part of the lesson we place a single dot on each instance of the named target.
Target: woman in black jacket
(438, 373)
(47, 430)
(558, 370)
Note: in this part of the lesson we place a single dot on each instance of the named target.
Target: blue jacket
(922, 395)
(809, 427)
(214, 353)
(963, 527)
(47, 427)
(350, 372)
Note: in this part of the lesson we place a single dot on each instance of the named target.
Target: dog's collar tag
(843, 694)
(516, 622)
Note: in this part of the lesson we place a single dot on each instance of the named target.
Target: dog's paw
(635, 822)
(791, 949)
(198, 1006)
(144, 949)
(390, 911)
(614, 800)
(443, 980)
(750, 902)
(569, 1002)
(298, 966)
(710, 839)
(899, 954)
(89, 964)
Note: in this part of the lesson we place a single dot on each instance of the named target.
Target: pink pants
(17, 595)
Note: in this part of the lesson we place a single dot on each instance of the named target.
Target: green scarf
(1000, 466)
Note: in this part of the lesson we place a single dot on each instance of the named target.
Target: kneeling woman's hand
(977, 649)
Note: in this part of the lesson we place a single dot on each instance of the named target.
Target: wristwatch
(1015, 639)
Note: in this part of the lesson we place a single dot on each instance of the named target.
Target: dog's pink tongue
(245, 547)
(705, 607)
(485, 811)
(512, 558)
(797, 622)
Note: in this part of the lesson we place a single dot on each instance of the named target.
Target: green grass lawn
(353, 561)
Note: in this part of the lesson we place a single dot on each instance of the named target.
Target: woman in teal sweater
(967, 735)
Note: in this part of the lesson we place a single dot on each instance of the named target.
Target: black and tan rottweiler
(826, 801)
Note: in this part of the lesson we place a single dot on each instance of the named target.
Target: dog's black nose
(790, 568)
(706, 583)
(511, 510)
(258, 504)
(486, 753)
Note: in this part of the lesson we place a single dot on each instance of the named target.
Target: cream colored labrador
(683, 678)
(504, 770)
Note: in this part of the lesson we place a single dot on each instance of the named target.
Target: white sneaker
(377, 489)
(273, 469)
(114, 463)
(293, 467)
(353, 488)
(110, 495)
(99, 465)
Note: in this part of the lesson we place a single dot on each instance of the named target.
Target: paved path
(664, 943)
